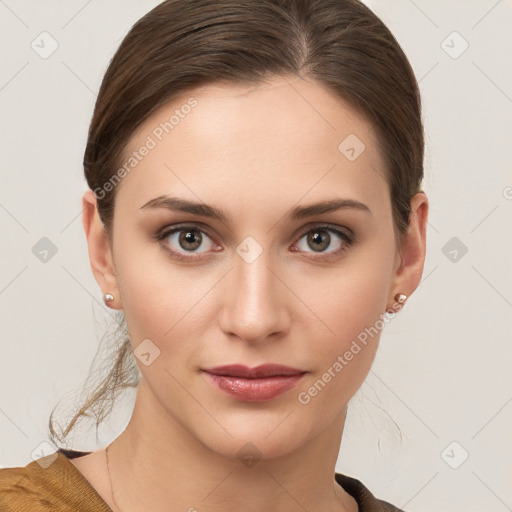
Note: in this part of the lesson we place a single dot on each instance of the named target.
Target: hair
(183, 44)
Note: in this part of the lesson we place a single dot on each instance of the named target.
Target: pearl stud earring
(400, 298)
(108, 297)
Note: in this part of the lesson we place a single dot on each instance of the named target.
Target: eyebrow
(299, 212)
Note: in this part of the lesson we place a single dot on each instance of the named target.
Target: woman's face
(270, 281)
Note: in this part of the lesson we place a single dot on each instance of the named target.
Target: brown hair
(183, 44)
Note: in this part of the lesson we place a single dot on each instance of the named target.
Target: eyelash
(347, 240)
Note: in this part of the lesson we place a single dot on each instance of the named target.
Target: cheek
(354, 296)
(164, 302)
(147, 287)
(352, 307)
(342, 360)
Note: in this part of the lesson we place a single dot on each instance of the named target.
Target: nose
(255, 307)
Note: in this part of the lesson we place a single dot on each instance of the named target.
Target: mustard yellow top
(54, 484)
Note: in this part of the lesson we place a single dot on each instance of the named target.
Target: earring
(108, 297)
(400, 298)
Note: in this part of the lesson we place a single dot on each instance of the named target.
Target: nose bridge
(253, 307)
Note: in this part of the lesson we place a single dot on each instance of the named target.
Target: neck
(155, 464)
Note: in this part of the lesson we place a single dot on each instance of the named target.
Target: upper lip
(264, 370)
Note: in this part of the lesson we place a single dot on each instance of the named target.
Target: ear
(100, 251)
(410, 258)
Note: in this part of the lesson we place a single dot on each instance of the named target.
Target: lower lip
(254, 390)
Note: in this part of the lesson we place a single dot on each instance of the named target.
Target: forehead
(274, 141)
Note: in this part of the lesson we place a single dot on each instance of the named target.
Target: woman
(254, 211)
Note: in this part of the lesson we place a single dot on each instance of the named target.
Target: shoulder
(50, 483)
(366, 501)
(21, 487)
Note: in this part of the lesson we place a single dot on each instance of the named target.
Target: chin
(260, 437)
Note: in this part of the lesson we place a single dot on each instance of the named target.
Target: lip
(258, 384)
(264, 370)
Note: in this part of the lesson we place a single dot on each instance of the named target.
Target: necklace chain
(110, 479)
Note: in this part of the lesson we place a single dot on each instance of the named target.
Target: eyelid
(344, 230)
(185, 225)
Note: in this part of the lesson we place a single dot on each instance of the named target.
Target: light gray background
(442, 372)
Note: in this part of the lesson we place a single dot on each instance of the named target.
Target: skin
(255, 153)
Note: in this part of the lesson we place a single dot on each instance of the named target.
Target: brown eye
(324, 240)
(318, 240)
(190, 240)
(182, 240)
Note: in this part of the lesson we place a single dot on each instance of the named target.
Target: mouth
(258, 384)
(264, 370)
